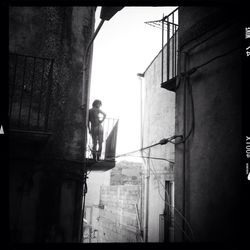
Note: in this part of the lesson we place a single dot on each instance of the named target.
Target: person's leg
(99, 152)
(94, 141)
(100, 141)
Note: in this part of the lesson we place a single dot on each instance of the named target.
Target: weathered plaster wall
(207, 185)
(158, 123)
(24, 189)
(50, 211)
(60, 33)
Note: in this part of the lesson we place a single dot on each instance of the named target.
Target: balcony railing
(169, 59)
(169, 56)
(30, 92)
(110, 128)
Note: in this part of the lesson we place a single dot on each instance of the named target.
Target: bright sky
(124, 46)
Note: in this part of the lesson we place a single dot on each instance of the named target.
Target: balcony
(169, 55)
(30, 89)
(107, 158)
(31, 101)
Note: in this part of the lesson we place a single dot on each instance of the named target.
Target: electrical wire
(192, 109)
(186, 76)
(175, 223)
(194, 69)
(189, 86)
(169, 199)
(166, 202)
(205, 32)
(193, 117)
(161, 142)
(138, 150)
(186, 79)
(170, 139)
(155, 158)
(214, 58)
(171, 206)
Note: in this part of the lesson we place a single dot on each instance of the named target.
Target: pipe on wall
(184, 150)
(146, 169)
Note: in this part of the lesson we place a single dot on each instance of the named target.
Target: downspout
(106, 14)
(85, 106)
(141, 111)
(184, 149)
(146, 200)
(86, 54)
(146, 191)
(162, 47)
(146, 170)
(86, 79)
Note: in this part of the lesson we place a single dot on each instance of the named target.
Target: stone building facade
(118, 215)
(46, 162)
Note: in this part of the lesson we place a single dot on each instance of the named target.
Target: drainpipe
(146, 169)
(86, 81)
(84, 93)
(146, 209)
(184, 144)
(141, 128)
(106, 14)
(84, 107)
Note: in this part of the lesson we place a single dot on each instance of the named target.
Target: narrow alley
(125, 124)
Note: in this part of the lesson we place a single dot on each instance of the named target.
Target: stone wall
(62, 34)
(117, 219)
(115, 216)
(46, 181)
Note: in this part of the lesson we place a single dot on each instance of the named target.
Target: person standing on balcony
(96, 118)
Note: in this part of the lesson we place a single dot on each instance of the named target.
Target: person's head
(97, 104)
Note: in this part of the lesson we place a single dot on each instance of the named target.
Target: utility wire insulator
(174, 137)
(164, 141)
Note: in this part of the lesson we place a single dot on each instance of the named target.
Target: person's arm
(104, 116)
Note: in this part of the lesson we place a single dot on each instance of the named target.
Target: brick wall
(115, 217)
(117, 221)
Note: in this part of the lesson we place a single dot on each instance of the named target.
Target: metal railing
(169, 56)
(110, 128)
(30, 92)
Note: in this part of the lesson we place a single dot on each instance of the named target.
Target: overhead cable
(170, 205)
(154, 158)
(194, 69)
(161, 142)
